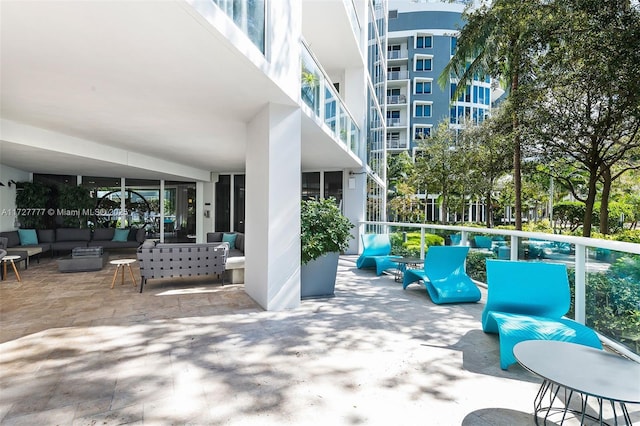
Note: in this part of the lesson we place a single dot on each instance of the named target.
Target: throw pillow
(229, 238)
(120, 235)
(28, 237)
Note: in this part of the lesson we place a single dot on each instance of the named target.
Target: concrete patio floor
(191, 352)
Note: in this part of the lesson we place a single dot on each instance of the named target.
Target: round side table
(11, 259)
(120, 265)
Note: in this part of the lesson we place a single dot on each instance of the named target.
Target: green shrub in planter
(323, 229)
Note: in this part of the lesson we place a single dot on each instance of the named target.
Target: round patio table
(12, 259)
(587, 371)
(120, 265)
(403, 264)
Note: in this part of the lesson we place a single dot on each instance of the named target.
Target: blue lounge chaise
(444, 275)
(528, 301)
(376, 253)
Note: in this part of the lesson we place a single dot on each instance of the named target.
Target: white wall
(8, 195)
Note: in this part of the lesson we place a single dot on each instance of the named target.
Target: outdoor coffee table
(403, 264)
(83, 259)
(587, 371)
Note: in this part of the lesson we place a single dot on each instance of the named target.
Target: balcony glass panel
(318, 92)
(248, 15)
(398, 75)
(613, 295)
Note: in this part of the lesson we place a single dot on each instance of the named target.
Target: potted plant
(325, 232)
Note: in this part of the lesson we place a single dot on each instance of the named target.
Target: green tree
(500, 40)
(589, 117)
(492, 153)
(437, 166)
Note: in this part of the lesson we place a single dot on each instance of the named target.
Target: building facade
(421, 41)
(236, 107)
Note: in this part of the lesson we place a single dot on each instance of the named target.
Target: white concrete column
(273, 186)
(354, 201)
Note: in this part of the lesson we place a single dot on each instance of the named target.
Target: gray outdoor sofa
(66, 239)
(162, 260)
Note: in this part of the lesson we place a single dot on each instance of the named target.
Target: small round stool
(120, 264)
(4, 265)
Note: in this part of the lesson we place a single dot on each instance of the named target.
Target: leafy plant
(74, 201)
(323, 229)
(613, 301)
(477, 264)
(32, 198)
(411, 247)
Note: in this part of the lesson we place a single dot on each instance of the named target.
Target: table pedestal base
(555, 393)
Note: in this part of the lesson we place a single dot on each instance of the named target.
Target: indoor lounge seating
(376, 253)
(528, 301)
(444, 276)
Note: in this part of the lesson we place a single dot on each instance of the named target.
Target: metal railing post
(514, 247)
(421, 243)
(580, 283)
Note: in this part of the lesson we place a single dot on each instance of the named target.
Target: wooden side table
(120, 265)
(11, 259)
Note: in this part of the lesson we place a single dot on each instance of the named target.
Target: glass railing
(394, 122)
(248, 15)
(319, 94)
(604, 275)
(398, 75)
(353, 18)
(396, 144)
(397, 54)
(396, 99)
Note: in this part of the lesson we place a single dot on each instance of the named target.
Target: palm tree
(498, 40)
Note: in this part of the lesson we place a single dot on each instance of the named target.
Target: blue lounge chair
(527, 301)
(444, 276)
(376, 253)
(483, 242)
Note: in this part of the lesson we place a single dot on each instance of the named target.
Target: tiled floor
(189, 351)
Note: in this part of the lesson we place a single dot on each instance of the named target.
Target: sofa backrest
(214, 237)
(46, 235)
(13, 239)
(177, 260)
(103, 234)
(73, 234)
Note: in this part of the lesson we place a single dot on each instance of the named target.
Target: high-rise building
(421, 41)
(239, 106)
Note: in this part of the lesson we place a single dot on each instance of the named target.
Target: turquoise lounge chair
(483, 242)
(444, 276)
(527, 301)
(376, 253)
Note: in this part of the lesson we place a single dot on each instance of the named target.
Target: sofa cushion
(229, 238)
(72, 234)
(46, 235)
(120, 235)
(28, 237)
(132, 234)
(214, 237)
(13, 239)
(103, 234)
(240, 242)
